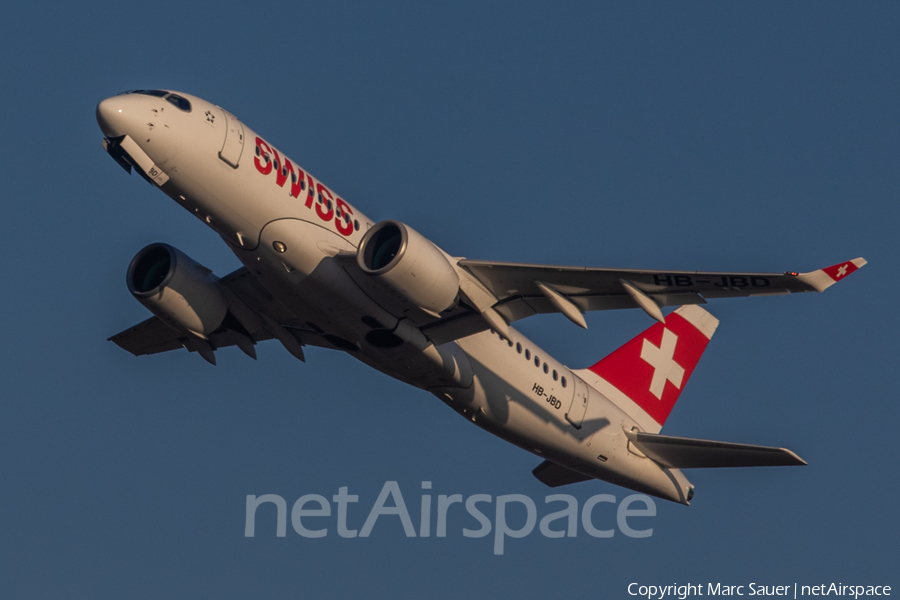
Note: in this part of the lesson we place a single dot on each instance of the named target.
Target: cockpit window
(179, 101)
(157, 93)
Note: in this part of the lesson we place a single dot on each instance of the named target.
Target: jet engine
(409, 265)
(181, 292)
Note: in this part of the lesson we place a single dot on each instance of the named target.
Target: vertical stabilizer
(646, 375)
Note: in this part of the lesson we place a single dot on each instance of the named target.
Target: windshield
(157, 93)
(179, 102)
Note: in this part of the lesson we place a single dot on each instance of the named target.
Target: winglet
(823, 279)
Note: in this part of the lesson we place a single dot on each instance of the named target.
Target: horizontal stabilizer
(554, 475)
(687, 453)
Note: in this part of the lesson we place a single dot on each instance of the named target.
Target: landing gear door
(576, 412)
(234, 140)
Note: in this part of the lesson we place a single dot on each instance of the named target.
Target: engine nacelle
(409, 265)
(181, 292)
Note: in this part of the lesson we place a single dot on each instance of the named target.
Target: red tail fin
(653, 368)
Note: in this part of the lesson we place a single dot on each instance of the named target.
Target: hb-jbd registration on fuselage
(318, 272)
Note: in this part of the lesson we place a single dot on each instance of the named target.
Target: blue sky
(711, 136)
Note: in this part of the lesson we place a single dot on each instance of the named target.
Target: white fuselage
(509, 387)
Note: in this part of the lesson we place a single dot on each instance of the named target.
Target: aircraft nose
(112, 116)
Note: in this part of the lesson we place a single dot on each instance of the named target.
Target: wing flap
(688, 453)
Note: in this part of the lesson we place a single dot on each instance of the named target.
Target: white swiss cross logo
(664, 365)
(842, 271)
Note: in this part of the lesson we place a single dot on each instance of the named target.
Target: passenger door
(234, 140)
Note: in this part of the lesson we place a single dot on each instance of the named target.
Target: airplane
(317, 272)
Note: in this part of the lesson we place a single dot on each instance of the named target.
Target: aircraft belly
(324, 299)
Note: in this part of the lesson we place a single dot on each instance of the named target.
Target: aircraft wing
(149, 337)
(523, 289)
(515, 291)
(254, 316)
(495, 293)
